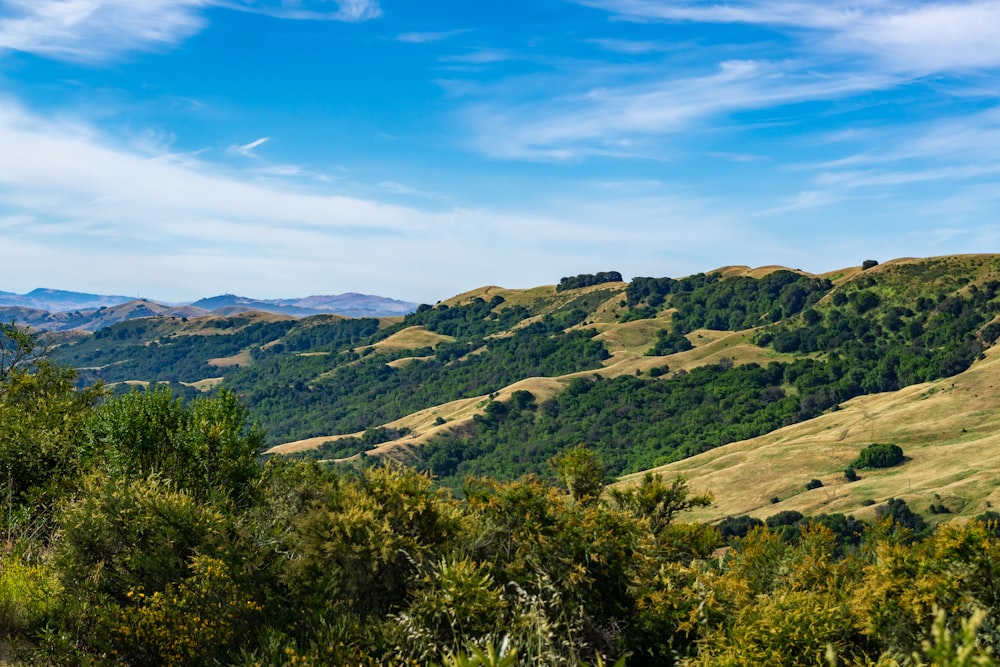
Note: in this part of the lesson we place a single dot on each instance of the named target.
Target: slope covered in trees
(157, 536)
(821, 340)
(869, 336)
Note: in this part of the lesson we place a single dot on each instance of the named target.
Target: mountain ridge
(61, 310)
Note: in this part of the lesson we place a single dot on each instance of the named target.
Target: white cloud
(77, 212)
(480, 56)
(912, 36)
(629, 46)
(405, 190)
(94, 30)
(352, 11)
(99, 30)
(428, 37)
(247, 150)
(601, 120)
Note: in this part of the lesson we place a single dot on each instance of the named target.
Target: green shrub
(27, 593)
(879, 456)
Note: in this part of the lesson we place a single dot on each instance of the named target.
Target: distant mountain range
(61, 310)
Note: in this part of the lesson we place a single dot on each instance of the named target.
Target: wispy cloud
(912, 36)
(352, 11)
(629, 46)
(71, 199)
(842, 49)
(405, 190)
(95, 30)
(603, 119)
(247, 150)
(428, 37)
(480, 56)
(101, 30)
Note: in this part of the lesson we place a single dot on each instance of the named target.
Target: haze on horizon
(277, 148)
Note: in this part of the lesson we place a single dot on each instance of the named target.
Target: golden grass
(241, 359)
(309, 443)
(511, 297)
(545, 299)
(423, 424)
(758, 272)
(949, 429)
(208, 384)
(406, 361)
(412, 338)
(927, 420)
(627, 339)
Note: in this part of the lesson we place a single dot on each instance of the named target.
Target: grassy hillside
(949, 430)
(496, 381)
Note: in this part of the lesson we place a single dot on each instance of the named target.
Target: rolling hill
(750, 381)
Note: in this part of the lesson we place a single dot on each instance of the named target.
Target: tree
(657, 501)
(208, 448)
(879, 456)
(20, 352)
(580, 470)
(41, 414)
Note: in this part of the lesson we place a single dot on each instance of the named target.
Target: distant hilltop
(61, 310)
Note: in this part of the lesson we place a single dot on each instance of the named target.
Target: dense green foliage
(738, 303)
(879, 456)
(326, 376)
(633, 423)
(353, 397)
(161, 539)
(136, 349)
(713, 302)
(895, 346)
(668, 342)
(867, 344)
(588, 280)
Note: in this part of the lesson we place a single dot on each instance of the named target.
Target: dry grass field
(411, 338)
(242, 359)
(208, 384)
(949, 430)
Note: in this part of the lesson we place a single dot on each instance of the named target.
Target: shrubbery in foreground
(158, 538)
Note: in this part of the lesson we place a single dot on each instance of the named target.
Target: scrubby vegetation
(141, 530)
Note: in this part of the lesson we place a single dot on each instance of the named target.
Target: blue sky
(416, 149)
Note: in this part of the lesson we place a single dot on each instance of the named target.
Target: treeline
(710, 301)
(142, 531)
(588, 280)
